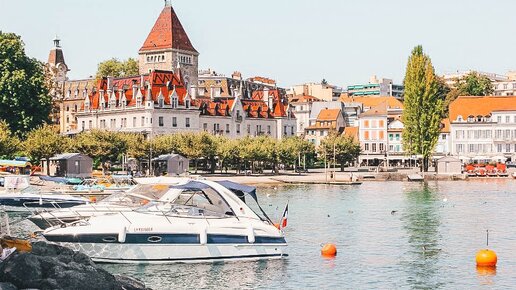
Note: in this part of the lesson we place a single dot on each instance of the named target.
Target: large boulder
(50, 266)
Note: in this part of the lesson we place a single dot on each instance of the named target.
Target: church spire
(168, 3)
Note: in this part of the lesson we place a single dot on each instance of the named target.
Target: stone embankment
(50, 266)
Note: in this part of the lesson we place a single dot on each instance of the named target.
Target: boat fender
(122, 235)
(203, 236)
(250, 235)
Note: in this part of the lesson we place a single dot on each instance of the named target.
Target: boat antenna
(487, 238)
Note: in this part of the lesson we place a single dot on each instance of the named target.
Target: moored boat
(205, 221)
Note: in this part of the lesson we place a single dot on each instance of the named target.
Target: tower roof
(167, 33)
(56, 55)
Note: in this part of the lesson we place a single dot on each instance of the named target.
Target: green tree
(24, 99)
(166, 144)
(116, 68)
(345, 149)
(423, 107)
(291, 149)
(198, 146)
(43, 143)
(228, 152)
(101, 144)
(473, 84)
(9, 143)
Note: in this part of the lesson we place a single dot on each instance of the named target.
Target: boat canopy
(239, 189)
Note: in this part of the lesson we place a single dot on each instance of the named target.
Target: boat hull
(121, 253)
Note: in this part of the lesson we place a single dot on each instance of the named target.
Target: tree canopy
(101, 144)
(45, 142)
(423, 106)
(25, 102)
(9, 144)
(116, 68)
(472, 84)
(346, 149)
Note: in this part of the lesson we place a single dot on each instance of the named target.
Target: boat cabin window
(205, 202)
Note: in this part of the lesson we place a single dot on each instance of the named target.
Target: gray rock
(128, 283)
(7, 286)
(49, 266)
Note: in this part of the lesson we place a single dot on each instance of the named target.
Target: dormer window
(138, 101)
(187, 104)
(174, 102)
(160, 102)
(459, 118)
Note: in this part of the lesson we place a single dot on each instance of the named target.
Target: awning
(14, 163)
(239, 189)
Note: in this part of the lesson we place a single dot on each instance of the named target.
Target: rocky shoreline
(50, 266)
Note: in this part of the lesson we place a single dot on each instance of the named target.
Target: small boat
(205, 221)
(19, 196)
(117, 202)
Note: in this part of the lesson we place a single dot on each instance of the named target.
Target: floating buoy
(277, 226)
(486, 258)
(93, 199)
(329, 250)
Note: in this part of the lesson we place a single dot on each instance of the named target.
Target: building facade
(327, 121)
(483, 129)
(376, 87)
(302, 105)
(322, 91)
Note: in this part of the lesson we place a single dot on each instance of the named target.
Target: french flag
(284, 217)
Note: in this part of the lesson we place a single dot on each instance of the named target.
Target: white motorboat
(117, 202)
(204, 222)
(20, 196)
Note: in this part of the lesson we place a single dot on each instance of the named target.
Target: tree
(116, 68)
(24, 99)
(101, 144)
(423, 107)
(472, 84)
(346, 149)
(166, 144)
(45, 142)
(199, 145)
(292, 148)
(228, 152)
(9, 144)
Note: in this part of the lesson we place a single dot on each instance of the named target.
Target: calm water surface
(429, 242)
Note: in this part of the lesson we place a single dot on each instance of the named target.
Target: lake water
(429, 242)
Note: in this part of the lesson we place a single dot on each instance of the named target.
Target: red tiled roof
(157, 80)
(167, 33)
(328, 115)
(466, 106)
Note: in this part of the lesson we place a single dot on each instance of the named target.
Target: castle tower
(168, 45)
(56, 62)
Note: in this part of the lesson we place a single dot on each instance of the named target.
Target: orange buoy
(93, 199)
(486, 258)
(329, 250)
(277, 226)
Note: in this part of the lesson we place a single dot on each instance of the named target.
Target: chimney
(135, 88)
(110, 83)
(265, 94)
(193, 92)
(237, 75)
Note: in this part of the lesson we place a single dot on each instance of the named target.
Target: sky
(291, 41)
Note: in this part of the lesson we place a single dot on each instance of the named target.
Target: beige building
(323, 92)
(327, 121)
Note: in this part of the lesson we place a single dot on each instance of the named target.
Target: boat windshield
(193, 203)
(138, 194)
